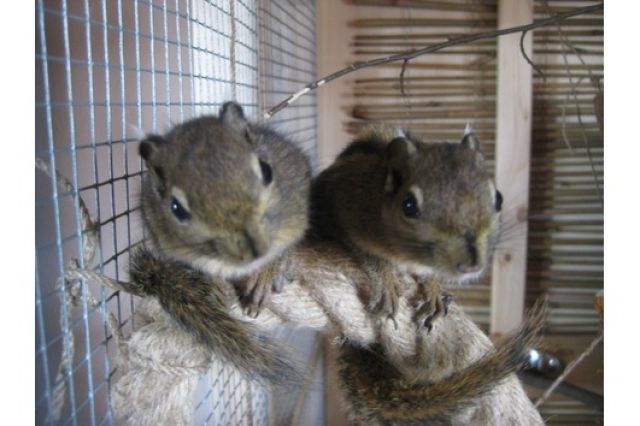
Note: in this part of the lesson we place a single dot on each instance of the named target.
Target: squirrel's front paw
(431, 306)
(259, 286)
(385, 295)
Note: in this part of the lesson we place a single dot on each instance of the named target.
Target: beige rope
(90, 237)
(158, 371)
(69, 294)
(60, 386)
(158, 363)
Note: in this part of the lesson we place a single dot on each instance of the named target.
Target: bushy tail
(378, 391)
(198, 303)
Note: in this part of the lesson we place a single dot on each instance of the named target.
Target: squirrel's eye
(498, 201)
(267, 174)
(410, 206)
(178, 211)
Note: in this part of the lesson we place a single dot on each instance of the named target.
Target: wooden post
(334, 53)
(513, 147)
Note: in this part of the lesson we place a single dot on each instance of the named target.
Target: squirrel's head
(224, 194)
(441, 208)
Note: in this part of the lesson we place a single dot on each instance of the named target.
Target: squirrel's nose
(251, 245)
(471, 264)
(256, 246)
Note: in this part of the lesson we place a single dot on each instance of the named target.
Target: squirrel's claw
(386, 288)
(258, 288)
(253, 296)
(431, 308)
(447, 298)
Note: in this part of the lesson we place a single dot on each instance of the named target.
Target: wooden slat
(513, 139)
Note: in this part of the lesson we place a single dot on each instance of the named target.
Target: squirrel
(430, 211)
(223, 200)
(404, 206)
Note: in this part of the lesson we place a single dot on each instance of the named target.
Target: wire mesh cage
(105, 71)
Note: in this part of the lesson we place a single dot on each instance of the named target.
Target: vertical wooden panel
(333, 36)
(513, 146)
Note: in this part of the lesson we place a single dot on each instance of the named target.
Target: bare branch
(406, 56)
(569, 369)
(404, 68)
(585, 140)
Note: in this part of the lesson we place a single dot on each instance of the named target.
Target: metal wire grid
(102, 67)
(288, 62)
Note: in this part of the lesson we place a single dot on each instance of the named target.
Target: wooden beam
(333, 35)
(513, 147)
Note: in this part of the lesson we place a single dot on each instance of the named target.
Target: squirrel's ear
(393, 181)
(399, 149)
(231, 115)
(470, 140)
(148, 149)
(150, 145)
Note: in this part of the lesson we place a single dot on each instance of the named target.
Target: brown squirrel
(430, 210)
(223, 200)
(409, 207)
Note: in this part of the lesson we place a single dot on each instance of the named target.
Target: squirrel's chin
(465, 278)
(226, 269)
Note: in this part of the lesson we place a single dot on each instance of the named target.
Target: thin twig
(568, 370)
(405, 56)
(563, 129)
(405, 97)
(566, 42)
(404, 68)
